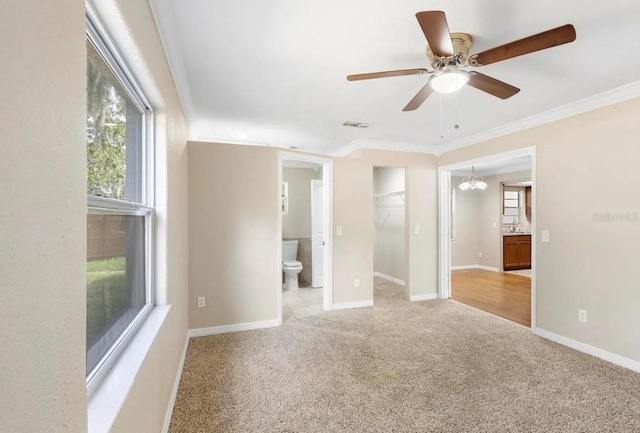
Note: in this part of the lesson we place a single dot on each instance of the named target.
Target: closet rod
(388, 194)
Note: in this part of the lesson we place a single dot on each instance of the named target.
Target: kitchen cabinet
(516, 252)
(528, 199)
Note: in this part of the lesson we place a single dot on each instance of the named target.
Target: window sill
(106, 402)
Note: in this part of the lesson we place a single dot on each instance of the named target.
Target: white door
(317, 233)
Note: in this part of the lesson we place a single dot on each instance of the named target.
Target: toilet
(290, 266)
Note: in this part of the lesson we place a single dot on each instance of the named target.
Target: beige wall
(297, 223)
(353, 211)
(465, 244)
(585, 164)
(389, 218)
(233, 226)
(43, 218)
(421, 210)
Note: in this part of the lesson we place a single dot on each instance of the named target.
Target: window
(511, 206)
(120, 206)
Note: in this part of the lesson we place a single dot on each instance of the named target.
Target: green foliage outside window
(106, 131)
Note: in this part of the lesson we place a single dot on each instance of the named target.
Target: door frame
(327, 178)
(314, 257)
(444, 225)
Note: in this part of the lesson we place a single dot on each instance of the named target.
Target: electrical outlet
(339, 231)
(356, 283)
(416, 230)
(202, 302)
(582, 316)
(479, 255)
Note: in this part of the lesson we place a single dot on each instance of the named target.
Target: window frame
(97, 35)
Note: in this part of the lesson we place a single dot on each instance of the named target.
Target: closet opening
(390, 243)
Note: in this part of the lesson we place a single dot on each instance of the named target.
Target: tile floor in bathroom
(300, 303)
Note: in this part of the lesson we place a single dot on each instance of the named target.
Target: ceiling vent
(353, 124)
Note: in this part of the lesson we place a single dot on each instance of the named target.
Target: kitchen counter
(516, 234)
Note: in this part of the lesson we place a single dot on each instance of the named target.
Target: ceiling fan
(449, 53)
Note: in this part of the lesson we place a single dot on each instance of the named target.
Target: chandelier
(473, 181)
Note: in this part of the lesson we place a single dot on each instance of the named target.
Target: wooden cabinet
(516, 252)
(528, 199)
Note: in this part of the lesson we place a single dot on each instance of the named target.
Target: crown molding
(610, 97)
(165, 24)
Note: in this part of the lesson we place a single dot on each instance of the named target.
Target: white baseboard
(389, 278)
(488, 268)
(248, 326)
(591, 350)
(483, 267)
(463, 267)
(174, 391)
(426, 297)
(349, 305)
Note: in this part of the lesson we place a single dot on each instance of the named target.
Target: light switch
(339, 231)
(545, 235)
(495, 224)
(416, 230)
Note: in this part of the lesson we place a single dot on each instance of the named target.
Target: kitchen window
(119, 206)
(511, 206)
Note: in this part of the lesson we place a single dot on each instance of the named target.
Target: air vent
(353, 124)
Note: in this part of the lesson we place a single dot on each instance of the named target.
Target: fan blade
(541, 41)
(383, 74)
(420, 97)
(436, 30)
(492, 86)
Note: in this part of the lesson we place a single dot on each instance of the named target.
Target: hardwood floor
(505, 295)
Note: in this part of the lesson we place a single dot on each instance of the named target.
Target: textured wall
(43, 218)
(585, 165)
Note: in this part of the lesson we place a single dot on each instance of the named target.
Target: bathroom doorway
(304, 251)
(389, 252)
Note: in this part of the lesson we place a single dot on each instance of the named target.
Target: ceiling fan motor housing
(462, 43)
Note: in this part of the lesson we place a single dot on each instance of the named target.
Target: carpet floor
(433, 366)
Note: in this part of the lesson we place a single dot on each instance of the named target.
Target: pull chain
(441, 115)
(456, 125)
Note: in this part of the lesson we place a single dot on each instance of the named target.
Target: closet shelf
(379, 202)
(379, 197)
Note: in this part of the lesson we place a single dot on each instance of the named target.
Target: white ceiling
(273, 72)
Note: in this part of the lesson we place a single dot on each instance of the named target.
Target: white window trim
(99, 37)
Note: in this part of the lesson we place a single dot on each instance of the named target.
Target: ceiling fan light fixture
(449, 80)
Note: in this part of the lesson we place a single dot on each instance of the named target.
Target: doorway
(483, 223)
(305, 200)
(389, 218)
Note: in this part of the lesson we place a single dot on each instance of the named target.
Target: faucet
(513, 226)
